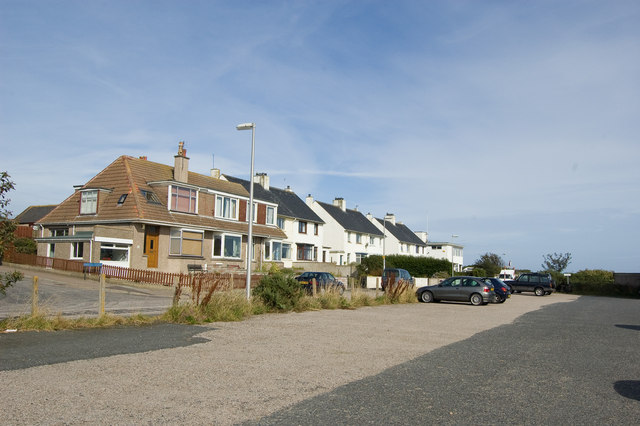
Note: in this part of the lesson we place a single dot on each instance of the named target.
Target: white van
(507, 274)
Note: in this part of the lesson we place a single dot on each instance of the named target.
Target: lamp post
(252, 126)
(452, 249)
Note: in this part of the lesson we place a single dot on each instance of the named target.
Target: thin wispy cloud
(496, 121)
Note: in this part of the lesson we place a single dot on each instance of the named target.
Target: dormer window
(89, 202)
(184, 199)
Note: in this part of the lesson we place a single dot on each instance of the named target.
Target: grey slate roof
(402, 233)
(32, 214)
(351, 220)
(289, 204)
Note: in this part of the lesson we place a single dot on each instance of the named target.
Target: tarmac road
(576, 363)
(73, 296)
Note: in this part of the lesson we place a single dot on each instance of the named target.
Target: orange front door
(151, 246)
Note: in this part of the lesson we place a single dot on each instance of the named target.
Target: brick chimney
(181, 165)
(340, 202)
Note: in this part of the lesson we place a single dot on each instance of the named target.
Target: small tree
(7, 226)
(491, 263)
(556, 262)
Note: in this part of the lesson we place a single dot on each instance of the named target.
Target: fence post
(377, 285)
(314, 285)
(102, 295)
(34, 297)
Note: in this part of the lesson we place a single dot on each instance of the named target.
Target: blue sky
(512, 124)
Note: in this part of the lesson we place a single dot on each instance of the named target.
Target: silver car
(461, 289)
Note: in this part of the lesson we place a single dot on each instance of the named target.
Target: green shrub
(593, 281)
(416, 266)
(279, 291)
(25, 245)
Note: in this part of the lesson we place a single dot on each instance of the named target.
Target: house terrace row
(141, 214)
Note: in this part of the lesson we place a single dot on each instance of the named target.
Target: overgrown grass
(230, 305)
(43, 322)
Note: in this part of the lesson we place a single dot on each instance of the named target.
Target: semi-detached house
(303, 227)
(348, 235)
(141, 214)
(399, 239)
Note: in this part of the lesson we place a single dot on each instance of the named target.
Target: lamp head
(245, 126)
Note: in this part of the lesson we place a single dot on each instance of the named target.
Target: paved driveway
(71, 295)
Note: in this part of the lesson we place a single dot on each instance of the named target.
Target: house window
(122, 199)
(111, 252)
(280, 223)
(359, 238)
(150, 196)
(89, 202)
(305, 252)
(77, 250)
(359, 257)
(372, 240)
(186, 242)
(348, 237)
(226, 207)
(271, 215)
(286, 251)
(60, 232)
(276, 250)
(315, 228)
(227, 246)
(51, 251)
(267, 251)
(302, 227)
(183, 199)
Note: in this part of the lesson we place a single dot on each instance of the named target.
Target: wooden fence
(231, 279)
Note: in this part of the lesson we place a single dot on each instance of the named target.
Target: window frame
(89, 202)
(174, 199)
(181, 239)
(222, 237)
(221, 207)
(74, 250)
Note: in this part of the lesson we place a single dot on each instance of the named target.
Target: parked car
(395, 275)
(324, 281)
(501, 290)
(538, 283)
(462, 289)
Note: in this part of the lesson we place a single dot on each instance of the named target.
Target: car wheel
(426, 297)
(476, 299)
(503, 299)
(340, 290)
(539, 291)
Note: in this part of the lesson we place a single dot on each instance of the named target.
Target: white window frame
(74, 250)
(226, 207)
(193, 195)
(286, 249)
(89, 202)
(223, 241)
(271, 221)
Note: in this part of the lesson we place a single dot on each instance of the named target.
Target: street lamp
(452, 249)
(252, 126)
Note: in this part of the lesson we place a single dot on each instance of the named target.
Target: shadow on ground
(32, 348)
